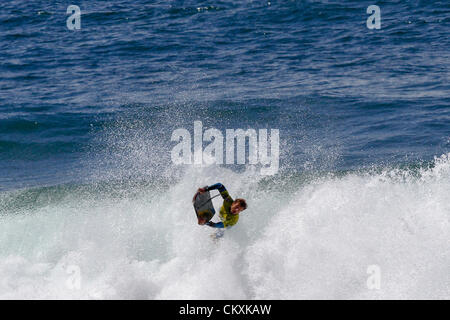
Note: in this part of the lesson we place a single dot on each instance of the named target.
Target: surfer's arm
(215, 225)
(223, 191)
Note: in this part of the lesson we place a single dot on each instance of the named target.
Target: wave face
(302, 237)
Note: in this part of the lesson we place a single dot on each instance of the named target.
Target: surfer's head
(238, 205)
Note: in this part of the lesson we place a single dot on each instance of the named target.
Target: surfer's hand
(201, 190)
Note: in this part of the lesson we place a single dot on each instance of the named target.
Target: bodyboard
(203, 206)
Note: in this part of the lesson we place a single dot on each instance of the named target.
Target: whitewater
(302, 237)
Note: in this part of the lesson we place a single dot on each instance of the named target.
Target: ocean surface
(93, 207)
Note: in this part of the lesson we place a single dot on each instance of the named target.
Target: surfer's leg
(219, 233)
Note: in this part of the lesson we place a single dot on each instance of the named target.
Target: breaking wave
(303, 237)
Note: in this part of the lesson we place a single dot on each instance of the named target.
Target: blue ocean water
(310, 68)
(86, 118)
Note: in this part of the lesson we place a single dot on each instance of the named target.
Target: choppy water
(86, 177)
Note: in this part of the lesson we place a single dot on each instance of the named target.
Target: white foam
(316, 242)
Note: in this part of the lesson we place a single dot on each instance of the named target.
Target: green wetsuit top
(228, 219)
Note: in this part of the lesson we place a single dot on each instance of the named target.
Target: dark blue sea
(87, 179)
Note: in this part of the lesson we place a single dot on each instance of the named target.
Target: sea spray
(314, 239)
